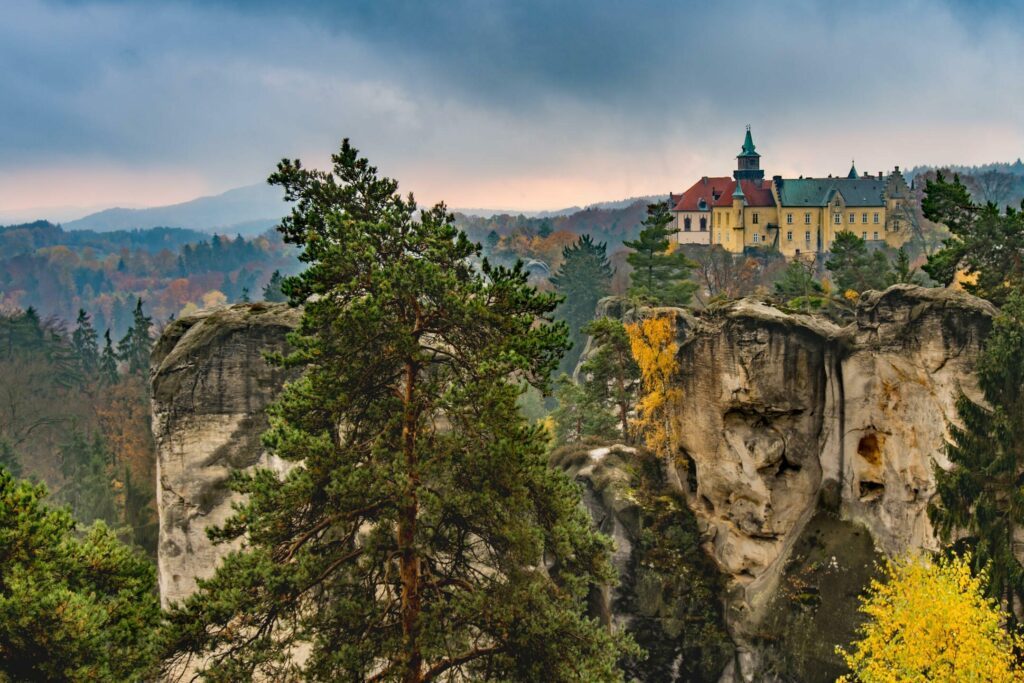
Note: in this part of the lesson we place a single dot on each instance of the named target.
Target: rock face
(783, 415)
(211, 386)
(804, 444)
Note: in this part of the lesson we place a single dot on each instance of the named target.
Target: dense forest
(449, 537)
(174, 271)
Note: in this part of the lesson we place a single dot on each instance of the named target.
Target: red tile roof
(718, 192)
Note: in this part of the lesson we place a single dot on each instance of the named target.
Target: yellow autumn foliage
(652, 342)
(931, 621)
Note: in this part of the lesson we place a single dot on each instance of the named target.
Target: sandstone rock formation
(211, 386)
(783, 414)
(785, 417)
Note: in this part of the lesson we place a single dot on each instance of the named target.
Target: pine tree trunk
(409, 561)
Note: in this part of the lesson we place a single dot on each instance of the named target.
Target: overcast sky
(519, 104)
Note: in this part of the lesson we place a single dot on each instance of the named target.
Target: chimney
(776, 178)
(879, 175)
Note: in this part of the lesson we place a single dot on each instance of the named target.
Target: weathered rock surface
(784, 414)
(211, 386)
(785, 417)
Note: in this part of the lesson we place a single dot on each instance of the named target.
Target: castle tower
(748, 162)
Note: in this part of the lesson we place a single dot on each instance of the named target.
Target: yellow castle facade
(798, 216)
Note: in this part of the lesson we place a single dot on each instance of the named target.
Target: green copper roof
(853, 171)
(819, 191)
(748, 146)
(738, 192)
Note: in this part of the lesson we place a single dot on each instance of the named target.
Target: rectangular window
(807, 218)
(755, 218)
(756, 238)
(864, 235)
(789, 235)
(789, 219)
(876, 217)
(837, 218)
(853, 217)
(864, 217)
(876, 234)
(807, 237)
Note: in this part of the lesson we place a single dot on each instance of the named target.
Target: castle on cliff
(798, 216)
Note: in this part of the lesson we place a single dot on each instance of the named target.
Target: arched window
(703, 224)
(686, 224)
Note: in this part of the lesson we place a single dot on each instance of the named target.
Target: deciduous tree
(931, 621)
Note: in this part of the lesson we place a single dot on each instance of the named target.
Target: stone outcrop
(784, 415)
(211, 386)
(804, 443)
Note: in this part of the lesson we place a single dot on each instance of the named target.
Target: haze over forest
(697, 357)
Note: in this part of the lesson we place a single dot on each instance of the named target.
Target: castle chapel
(795, 216)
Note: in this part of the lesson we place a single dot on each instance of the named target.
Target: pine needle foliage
(980, 503)
(419, 535)
(661, 274)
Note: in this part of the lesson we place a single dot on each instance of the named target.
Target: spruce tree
(981, 495)
(108, 361)
(660, 274)
(272, 292)
(84, 341)
(75, 605)
(136, 345)
(420, 535)
(583, 278)
(87, 489)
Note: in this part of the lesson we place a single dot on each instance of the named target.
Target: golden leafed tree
(931, 621)
(653, 344)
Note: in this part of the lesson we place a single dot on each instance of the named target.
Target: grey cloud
(496, 87)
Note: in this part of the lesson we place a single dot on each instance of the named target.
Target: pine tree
(73, 606)
(611, 374)
(422, 536)
(854, 267)
(797, 281)
(108, 361)
(583, 278)
(660, 275)
(545, 229)
(84, 341)
(137, 344)
(273, 292)
(901, 272)
(580, 413)
(981, 494)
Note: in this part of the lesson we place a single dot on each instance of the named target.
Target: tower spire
(748, 144)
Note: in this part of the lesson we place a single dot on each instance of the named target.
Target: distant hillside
(611, 222)
(173, 270)
(1000, 183)
(618, 204)
(248, 210)
(28, 237)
